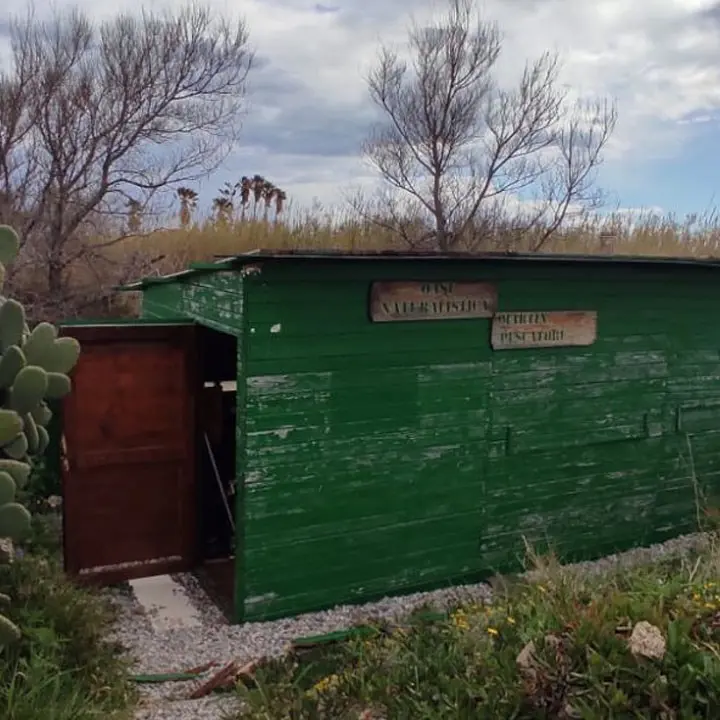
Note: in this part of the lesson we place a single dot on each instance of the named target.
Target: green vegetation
(557, 647)
(33, 370)
(54, 662)
(62, 668)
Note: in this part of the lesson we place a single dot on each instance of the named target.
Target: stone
(7, 551)
(647, 641)
(526, 656)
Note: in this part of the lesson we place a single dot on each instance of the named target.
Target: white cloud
(309, 108)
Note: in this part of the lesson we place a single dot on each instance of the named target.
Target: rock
(570, 713)
(526, 656)
(647, 641)
(7, 551)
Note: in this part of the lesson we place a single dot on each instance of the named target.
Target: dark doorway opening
(216, 464)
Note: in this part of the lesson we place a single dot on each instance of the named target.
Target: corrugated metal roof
(233, 261)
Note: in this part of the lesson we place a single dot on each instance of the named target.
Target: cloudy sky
(309, 111)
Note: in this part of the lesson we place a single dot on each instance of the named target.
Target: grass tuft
(554, 646)
(63, 668)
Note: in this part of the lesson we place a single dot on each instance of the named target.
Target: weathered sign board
(393, 301)
(543, 329)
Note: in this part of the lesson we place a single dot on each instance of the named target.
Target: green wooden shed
(397, 422)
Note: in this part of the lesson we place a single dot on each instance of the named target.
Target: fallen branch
(225, 677)
(201, 668)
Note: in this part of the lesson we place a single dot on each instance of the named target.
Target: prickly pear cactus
(34, 367)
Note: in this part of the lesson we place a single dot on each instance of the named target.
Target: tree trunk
(55, 281)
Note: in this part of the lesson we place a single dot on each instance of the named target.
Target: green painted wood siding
(216, 300)
(162, 301)
(391, 457)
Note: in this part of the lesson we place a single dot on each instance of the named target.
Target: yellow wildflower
(511, 620)
(326, 683)
(459, 620)
(492, 631)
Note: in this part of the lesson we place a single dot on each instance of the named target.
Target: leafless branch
(456, 143)
(92, 117)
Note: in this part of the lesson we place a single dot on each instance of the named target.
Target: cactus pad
(12, 324)
(29, 388)
(14, 521)
(59, 385)
(65, 354)
(12, 362)
(42, 414)
(7, 488)
(50, 353)
(18, 471)
(9, 244)
(18, 448)
(39, 344)
(30, 429)
(33, 368)
(43, 440)
(10, 426)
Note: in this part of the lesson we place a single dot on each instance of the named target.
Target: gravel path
(218, 641)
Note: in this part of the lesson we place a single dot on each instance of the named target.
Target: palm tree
(257, 186)
(245, 188)
(223, 207)
(188, 204)
(280, 198)
(268, 193)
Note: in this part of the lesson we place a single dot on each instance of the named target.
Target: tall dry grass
(173, 248)
(645, 234)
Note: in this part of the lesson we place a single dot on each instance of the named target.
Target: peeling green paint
(391, 457)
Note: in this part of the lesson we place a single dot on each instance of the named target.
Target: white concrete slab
(226, 385)
(166, 603)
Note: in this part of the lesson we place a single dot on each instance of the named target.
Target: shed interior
(217, 489)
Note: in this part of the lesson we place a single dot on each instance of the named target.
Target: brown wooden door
(129, 453)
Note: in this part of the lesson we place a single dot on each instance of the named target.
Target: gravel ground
(218, 641)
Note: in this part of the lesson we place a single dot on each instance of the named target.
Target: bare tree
(457, 150)
(94, 119)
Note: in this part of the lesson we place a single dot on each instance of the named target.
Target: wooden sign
(543, 329)
(392, 301)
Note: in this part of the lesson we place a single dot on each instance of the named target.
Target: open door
(129, 491)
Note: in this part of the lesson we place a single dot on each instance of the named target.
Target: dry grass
(174, 248)
(667, 236)
(179, 247)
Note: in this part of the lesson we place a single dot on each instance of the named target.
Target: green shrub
(474, 664)
(62, 668)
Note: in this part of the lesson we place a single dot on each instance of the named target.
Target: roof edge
(229, 262)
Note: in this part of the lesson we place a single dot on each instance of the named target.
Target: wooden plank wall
(391, 457)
